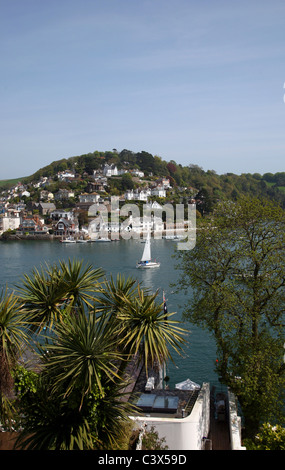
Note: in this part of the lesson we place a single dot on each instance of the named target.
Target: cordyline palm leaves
(82, 349)
(96, 327)
(114, 293)
(81, 282)
(60, 425)
(57, 426)
(141, 327)
(145, 330)
(80, 393)
(12, 339)
(47, 294)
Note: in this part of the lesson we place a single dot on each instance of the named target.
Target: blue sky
(195, 81)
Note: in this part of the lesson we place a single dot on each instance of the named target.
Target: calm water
(19, 257)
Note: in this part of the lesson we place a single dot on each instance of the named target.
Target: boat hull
(148, 265)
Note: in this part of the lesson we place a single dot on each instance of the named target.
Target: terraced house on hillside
(32, 225)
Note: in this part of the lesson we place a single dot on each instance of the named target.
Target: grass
(281, 188)
(9, 183)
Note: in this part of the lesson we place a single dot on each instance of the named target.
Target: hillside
(192, 177)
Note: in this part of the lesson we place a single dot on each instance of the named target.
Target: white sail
(146, 256)
(145, 261)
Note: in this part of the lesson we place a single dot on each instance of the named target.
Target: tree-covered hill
(217, 187)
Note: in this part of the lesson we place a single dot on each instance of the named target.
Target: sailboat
(146, 261)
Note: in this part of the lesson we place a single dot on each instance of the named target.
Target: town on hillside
(54, 201)
(58, 205)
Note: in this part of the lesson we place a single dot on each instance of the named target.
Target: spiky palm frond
(83, 349)
(114, 291)
(13, 338)
(54, 423)
(145, 329)
(13, 334)
(43, 294)
(46, 293)
(58, 427)
(112, 414)
(82, 282)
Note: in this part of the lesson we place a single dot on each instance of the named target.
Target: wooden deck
(219, 430)
(132, 374)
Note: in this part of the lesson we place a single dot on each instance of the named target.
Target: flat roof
(153, 403)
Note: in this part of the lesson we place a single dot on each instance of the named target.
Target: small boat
(68, 240)
(102, 239)
(146, 261)
(187, 385)
(174, 237)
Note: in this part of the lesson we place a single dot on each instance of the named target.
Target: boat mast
(162, 369)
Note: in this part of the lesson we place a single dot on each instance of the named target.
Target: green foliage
(47, 294)
(218, 187)
(13, 336)
(268, 438)
(145, 329)
(80, 351)
(237, 275)
(86, 325)
(151, 441)
(6, 235)
(25, 381)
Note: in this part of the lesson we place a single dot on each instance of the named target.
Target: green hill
(216, 186)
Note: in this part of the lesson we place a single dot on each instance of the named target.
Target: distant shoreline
(51, 237)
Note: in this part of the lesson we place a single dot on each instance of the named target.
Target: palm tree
(81, 350)
(146, 331)
(54, 423)
(81, 282)
(80, 402)
(112, 414)
(50, 293)
(79, 399)
(13, 336)
(113, 293)
(50, 422)
(43, 293)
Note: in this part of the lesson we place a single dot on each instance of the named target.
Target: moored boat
(68, 240)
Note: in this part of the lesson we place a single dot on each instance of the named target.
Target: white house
(98, 226)
(89, 197)
(158, 191)
(9, 220)
(180, 433)
(137, 195)
(110, 170)
(25, 193)
(58, 214)
(65, 175)
(122, 172)
(140, 225)
(138, 173)
(191, 432)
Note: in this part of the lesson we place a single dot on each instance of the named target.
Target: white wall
(234, 423)
(184, 433)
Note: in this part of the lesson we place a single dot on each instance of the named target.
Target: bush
(269, 438)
